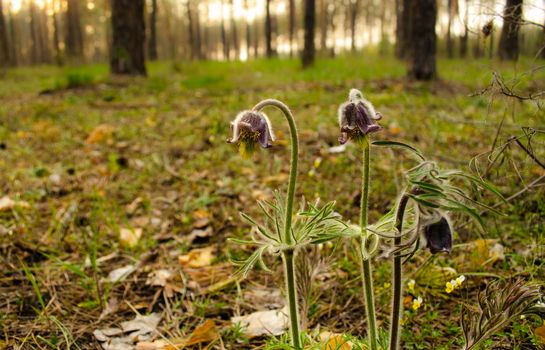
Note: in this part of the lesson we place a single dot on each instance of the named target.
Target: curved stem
(366, 272)
(289, 255)
(397, 286)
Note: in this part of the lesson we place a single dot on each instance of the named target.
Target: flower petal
(439, 236)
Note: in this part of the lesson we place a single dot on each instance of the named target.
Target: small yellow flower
(460, 280)
(317, 162)
(410, 286)
(417, 303)
(450, 286)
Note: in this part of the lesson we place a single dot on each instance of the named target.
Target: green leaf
(396, 144)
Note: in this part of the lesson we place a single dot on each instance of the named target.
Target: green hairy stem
(397, 286)
(366, 272)
(289, 254)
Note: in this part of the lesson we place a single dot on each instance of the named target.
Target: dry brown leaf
(205, 333)
(481, 253)
(129, 237)
(7, 203)
(198, 257)
(270, 322)
(101, 133)
(335, 342)
(540, 333)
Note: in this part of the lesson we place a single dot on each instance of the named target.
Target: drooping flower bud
(250, 128)
(439, 236)
(357, 118)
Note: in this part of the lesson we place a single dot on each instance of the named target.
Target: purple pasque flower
(357, 118)
(249, 129)
(439, 236)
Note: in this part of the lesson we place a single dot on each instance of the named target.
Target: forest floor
(101, 173)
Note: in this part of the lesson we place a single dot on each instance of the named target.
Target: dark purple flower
(439, 236)
(249, 129)
(357, 118)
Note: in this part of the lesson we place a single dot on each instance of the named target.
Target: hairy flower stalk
(288, 255)
(357, 119)
(397, 286)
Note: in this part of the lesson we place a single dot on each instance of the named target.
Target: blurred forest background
(94, 31)
(118, 192)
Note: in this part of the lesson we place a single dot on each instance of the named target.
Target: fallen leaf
(270, 322)
(130, 237)
(121, 273)
(101, 133)
(159, 277)
(335, 341)
(7, 203)
(204, 333)
(540, 333)
(141, 328)
(198, 257)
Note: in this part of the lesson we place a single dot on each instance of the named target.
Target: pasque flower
(439, 236)
(357, 118)
(249, 129)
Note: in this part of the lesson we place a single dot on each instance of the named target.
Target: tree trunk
(423, 39)
(4, 47)
(14, 47)
(355, 5)
(56, 38)
(291, 24)
(152, 43)
(465, 37)
(452, 7)
(198, 37)
(248, 32)
(34, 45)
(323, 25)
(309, 51)
(74, 35)
(268, 29)
(224, 42)
(508, 48)
(190, 30)
(129, 37)
(256, 38)
(543, 47)
(403, 29)
(236, 43)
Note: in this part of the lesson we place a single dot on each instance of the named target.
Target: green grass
(166, 150)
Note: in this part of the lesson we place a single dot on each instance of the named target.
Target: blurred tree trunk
(423, 39)
(291, 24)
(236, 42)
(34, 45)
(452, 7)
(332, 26)
(508, 48)
(248, 31)
(4, 47)
(324, 20)
(465, 37)
(74, 35)
(403, 28)
(268, 29)
(309, 50)
(14, 47)
(190, 30)
(354, 8)
(491, 36)
(224, 42)
(172, 44)
(369, 20)
(256, 38)
(43, 36)
(152, 42)
(129, 37)
(198, 36)
(56, 38)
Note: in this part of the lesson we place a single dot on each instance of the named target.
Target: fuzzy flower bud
(357, 118)
(249, 129)
(439, 236)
